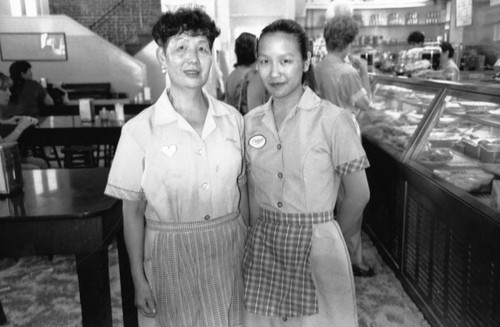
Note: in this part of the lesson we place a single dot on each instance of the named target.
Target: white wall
(156, 80)
(91, 59)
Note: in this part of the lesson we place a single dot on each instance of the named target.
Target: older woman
(179, 167)
(345, 85)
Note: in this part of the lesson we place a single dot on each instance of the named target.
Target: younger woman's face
(281, 65)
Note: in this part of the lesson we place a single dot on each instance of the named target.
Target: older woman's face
(188, 60)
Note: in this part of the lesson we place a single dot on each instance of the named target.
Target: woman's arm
(361, 66)
(133, 229)
(24, 123)
(356, 196)
(11, 121)
(48, 101)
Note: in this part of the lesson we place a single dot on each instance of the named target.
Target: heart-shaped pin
(169, 150)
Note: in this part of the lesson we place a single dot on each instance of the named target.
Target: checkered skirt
(276, 269)
(196, 272)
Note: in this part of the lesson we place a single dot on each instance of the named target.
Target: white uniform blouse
(182, 176)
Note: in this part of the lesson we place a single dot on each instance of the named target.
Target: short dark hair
(339, 32)
(194, 22)
(446, 46)
(17, 69)
(416, 37)
(244, 47)
(293, 28)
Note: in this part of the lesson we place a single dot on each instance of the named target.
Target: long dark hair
(16, 70)
(293, 28)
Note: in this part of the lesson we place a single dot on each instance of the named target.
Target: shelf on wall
(405, 25)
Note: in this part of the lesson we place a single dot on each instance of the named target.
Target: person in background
(244, 48)
(449, 69)
(22, 122)
(215, 84)
(28, 96)
(344, 84)
(347, 86)
(299, 149)
(255, 92)
(416, 39)
(179, 170)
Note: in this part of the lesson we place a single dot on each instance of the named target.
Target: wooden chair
(79, 156)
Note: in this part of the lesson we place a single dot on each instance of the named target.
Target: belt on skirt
(276, 267)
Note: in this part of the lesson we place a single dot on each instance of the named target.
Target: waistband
(296, 218)
(195, 226)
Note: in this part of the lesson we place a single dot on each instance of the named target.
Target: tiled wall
(127, 19)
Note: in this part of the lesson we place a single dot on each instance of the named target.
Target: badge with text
(169, 150)
(257, 141)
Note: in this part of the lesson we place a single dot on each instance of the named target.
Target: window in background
(25, 7)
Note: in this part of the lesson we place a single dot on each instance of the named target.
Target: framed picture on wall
(33, 46)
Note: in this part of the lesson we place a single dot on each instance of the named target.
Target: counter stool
(77, 156)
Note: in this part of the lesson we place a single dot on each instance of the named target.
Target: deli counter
(434, 213)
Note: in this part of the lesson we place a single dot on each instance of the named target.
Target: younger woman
(299, 148)
(178, 168)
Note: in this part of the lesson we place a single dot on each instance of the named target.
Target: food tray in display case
(462, 144)
(398, 109)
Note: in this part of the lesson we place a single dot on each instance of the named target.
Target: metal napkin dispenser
(11, 174)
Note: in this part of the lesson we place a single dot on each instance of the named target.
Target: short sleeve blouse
(339, 82)
(182, 176)
(299, 168)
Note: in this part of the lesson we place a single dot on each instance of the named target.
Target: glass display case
(398, 111)
(434, 212)
(462, 145)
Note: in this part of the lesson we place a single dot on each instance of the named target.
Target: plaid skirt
(276, 269)
(196, 272)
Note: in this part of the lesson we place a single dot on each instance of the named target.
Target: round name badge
(257, 141)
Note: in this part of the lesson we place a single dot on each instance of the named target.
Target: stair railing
(104, 16)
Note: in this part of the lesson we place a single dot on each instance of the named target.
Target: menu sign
(464, 12)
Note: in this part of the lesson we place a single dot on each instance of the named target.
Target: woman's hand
(26, 121)
(358, 63)
(144, 300)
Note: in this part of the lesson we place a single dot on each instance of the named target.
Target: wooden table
(71, 130)
(66, 110)
(64, 211)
